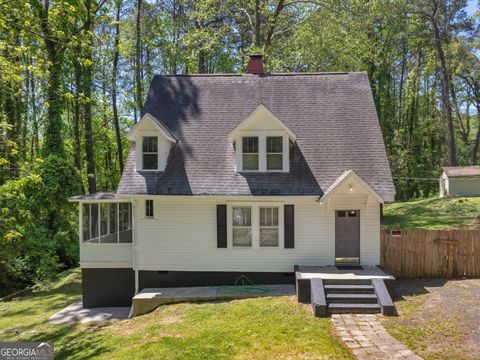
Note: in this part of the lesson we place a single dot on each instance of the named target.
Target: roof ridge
(261, 75)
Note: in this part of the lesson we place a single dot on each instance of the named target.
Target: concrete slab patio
(150, 298)
(75, 313)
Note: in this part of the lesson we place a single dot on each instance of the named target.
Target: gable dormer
(153, 141)
(262, 143)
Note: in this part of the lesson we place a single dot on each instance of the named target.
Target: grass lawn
(434, 213)
(262, 328)
(438, 319)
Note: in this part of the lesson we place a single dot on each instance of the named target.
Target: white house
(460, 181)
(239, 174)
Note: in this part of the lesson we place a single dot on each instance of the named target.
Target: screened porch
(106, 222)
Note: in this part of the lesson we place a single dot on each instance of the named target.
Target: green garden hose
(243, 285)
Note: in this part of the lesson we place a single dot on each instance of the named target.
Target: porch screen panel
(125, 221)
(106, 222)
(112, 228)
(85, 222)
(94, 222)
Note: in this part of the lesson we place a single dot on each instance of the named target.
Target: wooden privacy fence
(419, 253)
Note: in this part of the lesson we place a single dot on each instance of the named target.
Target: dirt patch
(438, 319)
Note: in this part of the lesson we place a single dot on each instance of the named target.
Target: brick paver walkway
(368, 339)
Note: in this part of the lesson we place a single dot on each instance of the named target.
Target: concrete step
(352, 298)
(349, 289)
(347, 281)
(354, 308)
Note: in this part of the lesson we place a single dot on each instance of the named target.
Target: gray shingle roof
(461, 171)
(332, 114)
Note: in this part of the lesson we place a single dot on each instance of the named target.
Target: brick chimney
(255, 65)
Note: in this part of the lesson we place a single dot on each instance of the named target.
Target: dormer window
(263, 153)
(274, 152)
(153, 141)
(149, 152)
(250, 153)
(261, 143)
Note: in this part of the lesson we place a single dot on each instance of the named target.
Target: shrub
(37, 223)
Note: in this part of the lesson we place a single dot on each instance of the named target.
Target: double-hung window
(263, 153)
(268, 226)
(150, 153)
(242, 226)
(256, 225)
(274, 153)
(250, 153)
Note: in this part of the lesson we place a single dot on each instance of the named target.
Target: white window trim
(262, 150)
(255, 213)
(139, 150)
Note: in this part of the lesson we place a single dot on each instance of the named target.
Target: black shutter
(289, 224)
(221, 226)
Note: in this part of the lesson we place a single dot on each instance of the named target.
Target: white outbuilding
(460, 181)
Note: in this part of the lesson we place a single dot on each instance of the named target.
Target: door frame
(358, 259)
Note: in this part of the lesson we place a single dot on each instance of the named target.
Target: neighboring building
(460, 181)
(239, 174)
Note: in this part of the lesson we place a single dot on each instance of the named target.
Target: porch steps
(331, 290)
(349, 289)
(351, 296)
(351, 308)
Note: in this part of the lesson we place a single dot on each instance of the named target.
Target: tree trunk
(12, 140)
(273, 23)
(76, 117)
(53, 134)
(116, 121)
(87, 91)
(138, 78)
(257, 40)
(33, 105)
(445, 94)
(202, 66)
(476, 144)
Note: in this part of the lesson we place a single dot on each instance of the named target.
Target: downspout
(134, 250)
(135, 244)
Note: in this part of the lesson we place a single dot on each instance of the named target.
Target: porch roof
(95, 196)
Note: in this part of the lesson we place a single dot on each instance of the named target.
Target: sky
(472, 6)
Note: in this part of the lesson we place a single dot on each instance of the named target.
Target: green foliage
(56, 91)
(261, 328)
(37, 224)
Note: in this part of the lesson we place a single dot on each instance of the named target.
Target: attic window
(150, 153)
(250, 153)
(274, 152)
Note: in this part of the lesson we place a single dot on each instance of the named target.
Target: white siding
(182, 236)
(105, 255)
(463, 186)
